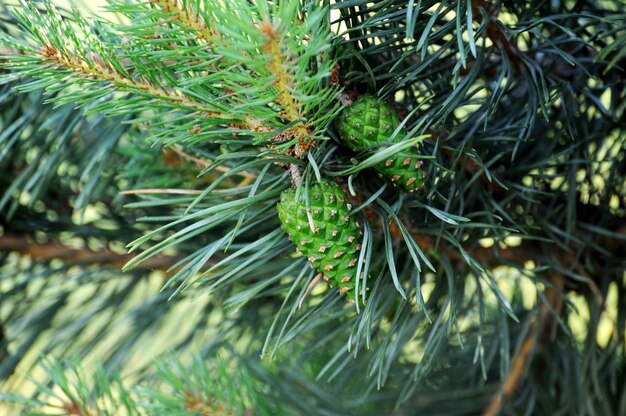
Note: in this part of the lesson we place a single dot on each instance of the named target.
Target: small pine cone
(371, 121)
(329, 237)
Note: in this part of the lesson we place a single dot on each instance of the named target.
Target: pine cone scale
(332, 246)
(370, 122)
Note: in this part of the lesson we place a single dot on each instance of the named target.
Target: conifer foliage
(454, 170)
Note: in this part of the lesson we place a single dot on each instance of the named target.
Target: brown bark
(48, 251)
(494, 31)
(537, 331)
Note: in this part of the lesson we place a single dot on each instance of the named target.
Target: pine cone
(329, 236)
(370, 121)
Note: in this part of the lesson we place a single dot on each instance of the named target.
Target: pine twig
(309, 288)
(205, 164)
(189, 17)
(198, 405)
(285, 84)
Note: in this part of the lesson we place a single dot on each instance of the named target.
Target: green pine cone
(370, 121)
(330, 237)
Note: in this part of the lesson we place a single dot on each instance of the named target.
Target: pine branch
(47, 252)
(283, 80)
(272, 73)
(97, 69)
(527, 146)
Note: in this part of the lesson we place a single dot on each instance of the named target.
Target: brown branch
(75, 409)
(494, 31)
(4, 343)
(52, 250)
(518, 368)
(524, 355)
(152, 191)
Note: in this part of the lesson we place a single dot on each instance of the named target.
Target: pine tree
(313, 207)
